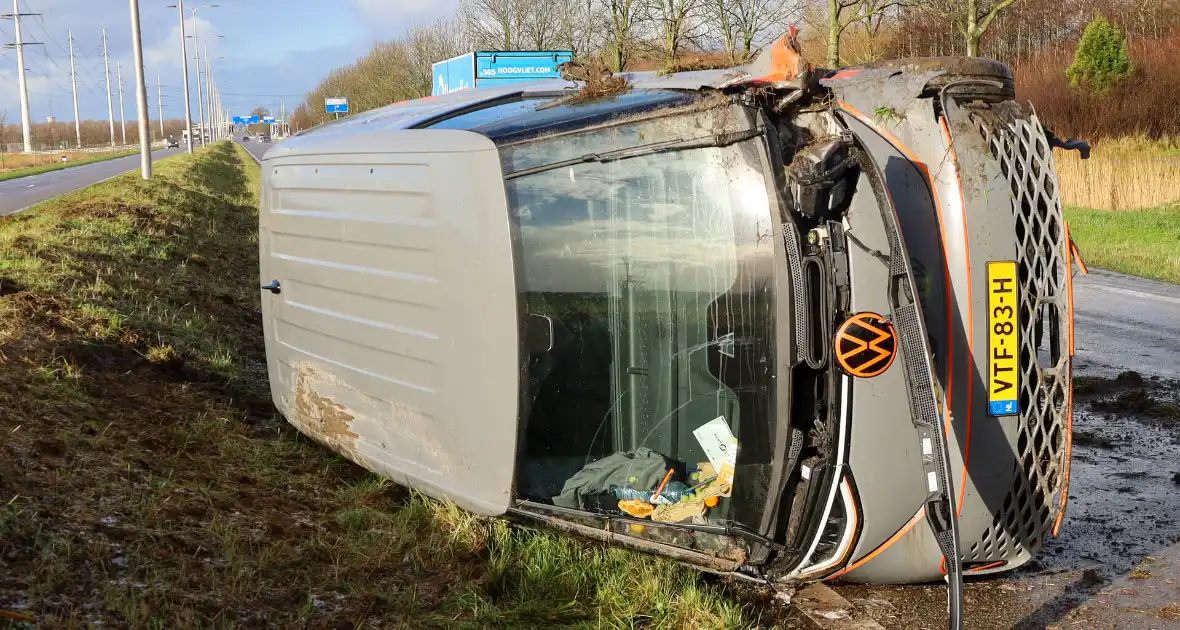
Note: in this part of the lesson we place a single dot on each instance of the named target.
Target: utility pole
(184, 63)
(208, 90)
(141, 102)
(74, 83)
(122, 114)
(188, 111)
(215, 107)
(160, 103)
(26, 125)
(200, 95)
(106, 65)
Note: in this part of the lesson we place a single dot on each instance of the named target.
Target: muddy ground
(1124, 500)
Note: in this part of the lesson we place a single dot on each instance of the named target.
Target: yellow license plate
(1003, 369)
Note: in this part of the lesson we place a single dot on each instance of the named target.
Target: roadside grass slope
(1143, 242)
(146, 482)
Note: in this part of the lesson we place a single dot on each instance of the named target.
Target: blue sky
(273, 50)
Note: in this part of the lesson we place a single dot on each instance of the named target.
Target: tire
(960, 69)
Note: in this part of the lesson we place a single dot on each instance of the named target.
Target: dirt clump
(11, 287)
(1089, 438)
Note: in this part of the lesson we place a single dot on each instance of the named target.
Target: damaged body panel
(772, 321)
(369, 346)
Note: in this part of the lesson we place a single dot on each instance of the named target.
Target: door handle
(273, 287)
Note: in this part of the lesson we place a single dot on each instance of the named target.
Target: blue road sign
(336, 105)
(254, 120)
(270, 120)
(238, 120)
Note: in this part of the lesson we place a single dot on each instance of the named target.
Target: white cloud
(402, 13)
(166, 51)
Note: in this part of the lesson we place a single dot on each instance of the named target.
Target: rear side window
(657, 275)
(488, 115)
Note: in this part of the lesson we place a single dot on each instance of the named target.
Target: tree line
(662, 34)
(62, 135)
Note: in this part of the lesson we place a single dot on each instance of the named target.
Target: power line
(45, 29)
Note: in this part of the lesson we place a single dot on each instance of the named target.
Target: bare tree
(494, 23)
(540, 24)
(675, 23)
(425, 45)
(842, 14)
(980, 14)
(578, 25)
(718, 15)
(741, 26)
(622, 23)
(971, 17)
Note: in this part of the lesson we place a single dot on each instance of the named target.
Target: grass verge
(145, 480)
(57, 166)
(1138, 242)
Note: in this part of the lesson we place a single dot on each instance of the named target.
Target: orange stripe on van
(1068, 455)
(901, 146)
(905, 529)
(1070, 250)
(950, 147)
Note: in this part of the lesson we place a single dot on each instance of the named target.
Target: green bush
(1101, 59)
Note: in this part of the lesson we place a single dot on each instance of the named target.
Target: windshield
(657, 273)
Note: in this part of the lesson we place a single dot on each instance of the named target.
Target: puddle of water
(1123, 502)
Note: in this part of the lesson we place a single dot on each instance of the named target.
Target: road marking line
(1134, 293)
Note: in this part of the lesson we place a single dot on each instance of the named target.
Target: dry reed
(1122, 174)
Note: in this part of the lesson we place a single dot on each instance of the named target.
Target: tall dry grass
(13, 161)
(1121, 174)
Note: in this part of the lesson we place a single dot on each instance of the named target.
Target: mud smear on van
(145, 480)
(322, 417)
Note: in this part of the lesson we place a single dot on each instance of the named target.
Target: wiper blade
(678, 144)
(935, 452)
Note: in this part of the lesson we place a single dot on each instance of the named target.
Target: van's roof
(648, 90)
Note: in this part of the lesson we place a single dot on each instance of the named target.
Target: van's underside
(577, 310)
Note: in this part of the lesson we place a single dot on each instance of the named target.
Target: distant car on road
(246, 138)
(173, 143)
(264, 138)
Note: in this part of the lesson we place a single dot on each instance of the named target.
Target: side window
(656, 273)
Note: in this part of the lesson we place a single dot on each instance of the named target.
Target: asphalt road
(23, 192)
(1127, 323)
(256, 148)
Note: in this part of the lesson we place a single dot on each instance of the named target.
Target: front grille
(1027, 515)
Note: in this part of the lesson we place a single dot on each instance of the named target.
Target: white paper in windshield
(720, 447)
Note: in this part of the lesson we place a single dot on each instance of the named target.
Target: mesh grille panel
(795, 260)
(1019, 528)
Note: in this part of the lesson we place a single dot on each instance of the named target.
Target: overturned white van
(796, 324)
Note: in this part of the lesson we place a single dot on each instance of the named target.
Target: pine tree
(1101, 59)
